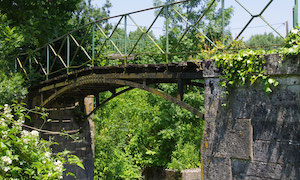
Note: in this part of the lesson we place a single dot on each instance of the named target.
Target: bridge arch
(99, 79)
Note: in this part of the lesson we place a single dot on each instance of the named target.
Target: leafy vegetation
(264, 41)
(11, 88)
(10, 40)
(39, 21)
(23, 154)
(247, 66)
(292, 43)
(138, 130)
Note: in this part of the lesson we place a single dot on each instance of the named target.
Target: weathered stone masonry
(65, 118)
(257, 136)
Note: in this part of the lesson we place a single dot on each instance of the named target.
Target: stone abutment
(257, 135)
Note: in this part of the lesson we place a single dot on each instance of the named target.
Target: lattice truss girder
(82, 40)
(93, 84)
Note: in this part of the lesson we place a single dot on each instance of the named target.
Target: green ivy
(292, 43)
(247, 66)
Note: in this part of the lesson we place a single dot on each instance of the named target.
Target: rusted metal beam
(191, 67)
(108, 99)
(180, 89)
(195, 84)
(113, 91)
(132, 76)
(97, 99)
(96, 79)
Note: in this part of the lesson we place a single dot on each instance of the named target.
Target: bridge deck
(134, 70)
(141, 73)
(91, 81)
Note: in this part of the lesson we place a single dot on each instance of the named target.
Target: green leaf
(271, 81)
(268, 90)
(2, 145)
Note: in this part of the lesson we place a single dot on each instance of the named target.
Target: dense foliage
(292, 43)
(23, 154)
(10, 40)
(264, 41)
(138, 130)
(39, 21)
(11, 88)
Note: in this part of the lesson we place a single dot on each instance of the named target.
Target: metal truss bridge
(89, 59)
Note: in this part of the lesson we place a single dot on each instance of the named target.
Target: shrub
(23, 154)
(11, 88)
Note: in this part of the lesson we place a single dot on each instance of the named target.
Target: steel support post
(167, 33)
(93, 45)
(125, 39)
(48, 62)
(295, 14)
(97, 100)
(82, 105)
(180, 89)
(68, 53)
(223, 21)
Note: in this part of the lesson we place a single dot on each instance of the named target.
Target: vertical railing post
(167, 34)
(68, 53)
(223, 22)
(48, 62)
(93, 45)
(295, 14)
(125, 39)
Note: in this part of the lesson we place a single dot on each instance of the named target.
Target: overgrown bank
(138, 130)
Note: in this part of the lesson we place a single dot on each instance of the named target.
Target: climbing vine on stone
(244, 67)
(247, 66)
(292, 43)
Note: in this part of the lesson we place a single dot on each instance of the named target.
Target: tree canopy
(265, 41)
(40, 21)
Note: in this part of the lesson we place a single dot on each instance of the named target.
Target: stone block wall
(65, 117)
(159, 173)
(257, 136)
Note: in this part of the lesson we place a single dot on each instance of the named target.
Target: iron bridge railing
(47, 58)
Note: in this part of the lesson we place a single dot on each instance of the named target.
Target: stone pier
(257, 135)
(68, 115)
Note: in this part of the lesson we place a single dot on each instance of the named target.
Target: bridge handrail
(102, 19)
(46, 68)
